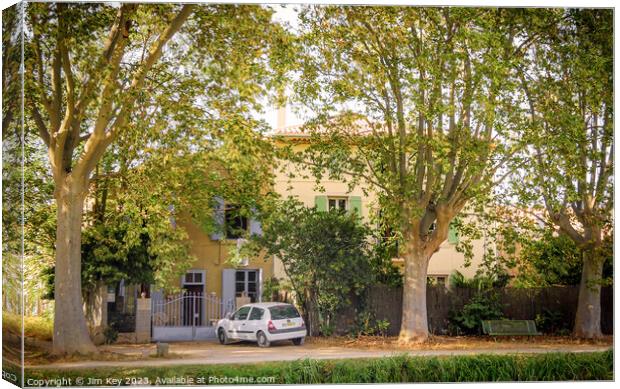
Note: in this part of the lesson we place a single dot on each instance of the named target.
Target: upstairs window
(236, 224)
(339, 203)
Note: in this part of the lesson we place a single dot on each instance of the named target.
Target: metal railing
(189, 309)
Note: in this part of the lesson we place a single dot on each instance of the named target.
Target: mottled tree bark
(414, 323)
(96, 311)
(588, 317)
(70, 330)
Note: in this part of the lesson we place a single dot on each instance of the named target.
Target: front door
(192, 305)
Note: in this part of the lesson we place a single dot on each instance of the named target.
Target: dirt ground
(210, 352)
(459, 342)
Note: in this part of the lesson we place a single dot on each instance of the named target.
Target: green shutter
(321, 203)
(453, 236)
(355, 205)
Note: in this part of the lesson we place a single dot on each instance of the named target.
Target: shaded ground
(462, 342)
(210, 352)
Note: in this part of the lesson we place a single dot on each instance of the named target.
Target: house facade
(294, 181)
(213, 274)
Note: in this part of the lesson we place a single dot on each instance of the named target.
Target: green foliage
(272, 286)
(110, 334)
(327, 329)
(384, 249)
(555, 259)
(567, 84)
(383, 326)
(483, 306)
(403, 86)
(363, 324)
(366, 324)
(158, 103)
(480, 282)
(393, 369)
(38, 327)
(551, 322)
(325, 254)
(39, 221)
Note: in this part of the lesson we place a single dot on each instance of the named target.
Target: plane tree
(102, 73)
(416, 104)
(567, 82)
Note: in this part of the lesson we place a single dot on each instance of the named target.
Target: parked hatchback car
(263, 323)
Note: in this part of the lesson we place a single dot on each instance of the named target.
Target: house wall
(303, 187)
(447, 260)
(212, 255)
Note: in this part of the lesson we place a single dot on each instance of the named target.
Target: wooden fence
(386, 304)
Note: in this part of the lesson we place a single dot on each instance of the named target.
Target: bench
(509, 327)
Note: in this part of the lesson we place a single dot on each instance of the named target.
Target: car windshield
(280, 312)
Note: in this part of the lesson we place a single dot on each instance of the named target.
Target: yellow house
(212, 274)
(336, 194)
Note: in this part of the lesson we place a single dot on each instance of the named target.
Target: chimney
(281, 117)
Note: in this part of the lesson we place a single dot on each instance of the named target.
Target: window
(241, 314)
(437, 280)
(246, 283)
(280, 312)
(193, 277)
(256, 314)
(235, 223)
(339, 203)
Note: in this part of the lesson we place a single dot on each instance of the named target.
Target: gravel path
(244, 353)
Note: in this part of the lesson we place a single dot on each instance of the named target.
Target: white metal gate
(187, 316)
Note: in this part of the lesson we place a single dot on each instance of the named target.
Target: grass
(478, 368)
(38, 327)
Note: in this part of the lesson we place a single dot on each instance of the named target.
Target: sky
(285, 13)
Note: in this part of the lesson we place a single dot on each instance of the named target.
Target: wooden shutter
(355, 205)
(228, 286)
(259, 286)
(453, 236)
(218, 218)
(255, 226)
(321, 203)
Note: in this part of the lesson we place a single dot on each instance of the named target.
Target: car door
(254, 322)
(239, 322)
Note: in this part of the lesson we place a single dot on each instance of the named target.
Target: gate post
(143, 320)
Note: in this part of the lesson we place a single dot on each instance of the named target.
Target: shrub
(483, 306)
(367, 324)
(552, 322)
(111, 334)
(39, 327)
(327, 329)
(382, 327)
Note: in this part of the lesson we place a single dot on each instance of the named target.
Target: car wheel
(298, 341)
(262, 339)
(221, 335)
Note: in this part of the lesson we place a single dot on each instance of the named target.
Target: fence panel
(524, 304)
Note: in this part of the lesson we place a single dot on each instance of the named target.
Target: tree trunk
(588, 317)
(96, 311)
(70, 330)
(414, 324)
(312, 313)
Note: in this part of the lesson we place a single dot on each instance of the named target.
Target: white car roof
(265, 305)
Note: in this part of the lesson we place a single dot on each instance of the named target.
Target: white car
(263, 323)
